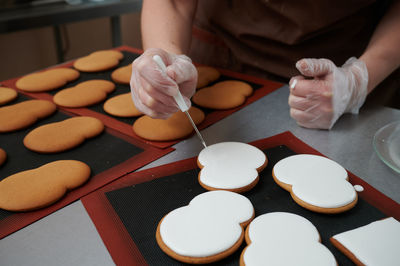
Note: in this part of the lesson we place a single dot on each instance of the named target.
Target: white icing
(210, 224)
(377, 243)
(281, 238)
(230, 165)
(358, 188)
(316, 180)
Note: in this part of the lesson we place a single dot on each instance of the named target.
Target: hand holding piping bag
(332, 91)
(153, 89)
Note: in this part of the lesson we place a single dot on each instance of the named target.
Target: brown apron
(266, 38)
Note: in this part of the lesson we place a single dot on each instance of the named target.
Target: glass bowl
(387, 145)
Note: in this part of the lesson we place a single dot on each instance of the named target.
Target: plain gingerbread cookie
(3, 156)
(209, 229)
(64, 135)
(24, 114)
(98, 61)
(42, 186)
(7, 95)
(223, 95)
(175, 127)
(47, 80)
(84, 94)
(286, 239)
(122, 106)
(315, 183)
(232, 166)
(206, 75)
(122, 75)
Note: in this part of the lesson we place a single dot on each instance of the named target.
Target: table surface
(69, 237)
(61, 13)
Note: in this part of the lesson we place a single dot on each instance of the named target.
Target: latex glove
(153, 89)
(332, 91)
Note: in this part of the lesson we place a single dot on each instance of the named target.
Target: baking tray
(126, 212)
(261, 88)
(109, 155)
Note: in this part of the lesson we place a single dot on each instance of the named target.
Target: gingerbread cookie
(122, 75)
(64, 135)
(209, 229)
(98, 61)
(232, 166)
(3, 156)
(24, 114)
(223, 95)
(316, 183)
(281, 238)
(175, 127)
(374, 244)
(84, 94)
(7, 95)
(206, 75)
(42, 186)
(47, 80)
(122, 106)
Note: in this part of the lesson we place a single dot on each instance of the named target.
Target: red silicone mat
(127, 211)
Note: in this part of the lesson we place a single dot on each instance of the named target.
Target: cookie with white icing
(281, 238)
(232, 166)
(209, 229)
(316, 183)
(374, 244)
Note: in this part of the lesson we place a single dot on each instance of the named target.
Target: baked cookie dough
(7, 95)
(316, 183)
(99, 61)
(84, 94)
(122, 106)
(232, 166)
(64, 135)
(122, 75)
(376, 243)
(23, 114)
(223, 95)
(3, 156)
(47, 80)
(175, 127)
(281, 238)
(209, 229)
(42, 186)
(206, 75)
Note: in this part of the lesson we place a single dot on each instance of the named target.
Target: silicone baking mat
(261, 88)
(126, 212)
(109, 155)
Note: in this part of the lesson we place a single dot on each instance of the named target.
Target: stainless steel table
(68, 237)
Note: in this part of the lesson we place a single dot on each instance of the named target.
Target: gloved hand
(318, 102)
(153, 89)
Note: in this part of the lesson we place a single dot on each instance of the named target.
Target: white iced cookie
(209, 229)
(232, 166)
(281, 238)
(374, 244)
(316, 183)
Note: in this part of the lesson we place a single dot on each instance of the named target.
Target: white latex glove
(328, 92)
(153, 89)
